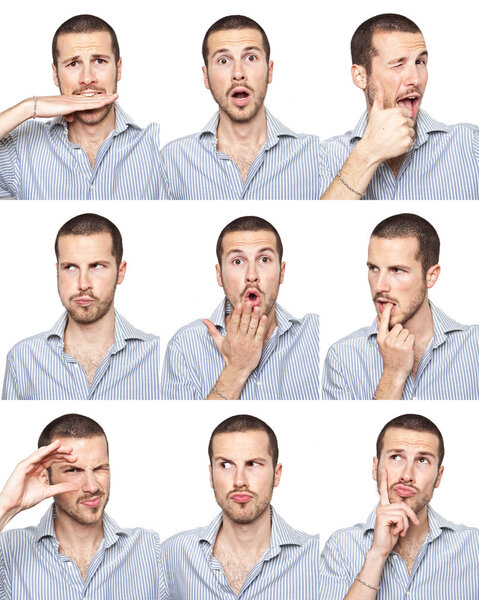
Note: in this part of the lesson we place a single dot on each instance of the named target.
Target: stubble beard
(92, 313)
(268, 301)
(98, 115)
(93, 515)
(411, 309)
(247, 513)
(240, 114)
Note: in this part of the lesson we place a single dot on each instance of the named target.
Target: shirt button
(258, 382)
(91, 187)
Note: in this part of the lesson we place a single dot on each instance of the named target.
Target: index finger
(383, 489)
(383, 325)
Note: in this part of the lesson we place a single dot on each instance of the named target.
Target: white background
(159, 458)
(312, 91)
(160, 477)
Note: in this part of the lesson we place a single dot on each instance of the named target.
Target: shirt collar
(275, 129)
(282, 534)
(436, 523)
(283, 318)
(123, 331)
(122, 121)
(442, 325)
(111, 529)
(425, 125)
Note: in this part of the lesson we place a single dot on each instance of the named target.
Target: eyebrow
(420, 452)
(242, 250)
(93, 262)
(228, 50)
(77, 57)
(402, 58)
(402, 267)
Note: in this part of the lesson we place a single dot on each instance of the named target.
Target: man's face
(87, 275)
(411, 460)
(87, 67)
(400, 65)
(91, 472)
(396, 276)
(250, 269)
(237, 73)
(242, 474)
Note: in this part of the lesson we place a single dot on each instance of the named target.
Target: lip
(89, 93)
(382, 301)
(92, 502)
(84, 301)
(404, 491)
(411, 102)
(241, 497)
(240, 101)
(255, 292)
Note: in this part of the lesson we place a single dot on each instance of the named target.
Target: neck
(244, 538)
(250, 133)
(421, 325)
(100, 333)
(91, 135)
(71, 534)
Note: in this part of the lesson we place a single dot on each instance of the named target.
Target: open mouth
(253, 297)
(90, 93)
(382, 305)
(410, 102)
(240, 96)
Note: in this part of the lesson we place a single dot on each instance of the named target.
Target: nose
(239, 71)
(407, 475)
(84, 282)
(90, 484)
(411, 75)
(382, 282)
(240, 478)
(87, 74)
(252, 274)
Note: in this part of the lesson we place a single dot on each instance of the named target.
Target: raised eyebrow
(250, 48)
(221, 51)
(370, 264)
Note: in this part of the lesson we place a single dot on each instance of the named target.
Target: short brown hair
(70, 426)
(248, 224)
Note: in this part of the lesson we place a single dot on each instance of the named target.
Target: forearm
(390, 386)
(6, 515)
(229, 385)
(12, 117)
(356, 173)
(370, 574)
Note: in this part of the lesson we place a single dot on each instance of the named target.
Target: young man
(77, 550)
(92, 352)
(412, 350)
(248, 551)
(251, 348)
(397, 151)
(90, 150)
(243, 152)
(405, 548)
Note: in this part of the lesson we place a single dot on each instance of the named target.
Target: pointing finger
(383, 328)
(383, 488)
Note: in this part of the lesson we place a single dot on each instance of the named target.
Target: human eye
(73, 63)
(69, 268)
(265, 259)
(236, 261)
(97, 266)
(225, 464)
(397, 270)
(223, 60)
(423, 460)
(251, 58)
(100, 61)
(373, 268)
(395, 457)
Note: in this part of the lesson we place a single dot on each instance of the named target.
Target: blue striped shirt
(448, 369)
(39, 162)
(39, 369)
(443, 163)
(288, 368)
(286, 167)
(126, 566)
(446, 567)
(288, 570)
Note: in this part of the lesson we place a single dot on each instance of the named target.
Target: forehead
(89, 451)
(76, 247)
(397, 438)
(249, 241)
(94, 42)
(393, 251)
(243, 445)
(396, 44)
(230, 39)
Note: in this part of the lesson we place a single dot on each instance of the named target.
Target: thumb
(215, 334)
(379, 98)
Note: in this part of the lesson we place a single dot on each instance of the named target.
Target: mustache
(235, 86)
(89, 496)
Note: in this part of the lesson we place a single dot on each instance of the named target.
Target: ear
(55, 76)
(281, 274)
(270, 71)
(358, 74)
(119, 66)
(432, 275)
(375, 468)
(211, 476)
(219, 279)
(277, 474)
(121, 272)
(205, 77)
(439, 477)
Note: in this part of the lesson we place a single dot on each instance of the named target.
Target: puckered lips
(83, 300)
(241, 497)
(411, 102)
(381, 302)
(240, 96)
(404, 491)
(92, 502)
(252, 296)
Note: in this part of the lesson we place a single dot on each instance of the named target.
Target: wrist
(368, 153)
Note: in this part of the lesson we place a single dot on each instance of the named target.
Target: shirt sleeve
(335, 386)
(177, 379)
(10, 383)
(8, 165)
(4, 579)
(335, 577)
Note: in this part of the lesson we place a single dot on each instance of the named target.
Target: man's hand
(392, 520)
(390, 131)
(241, 347)
(54, 106)
(396, 347)
(28, 484)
